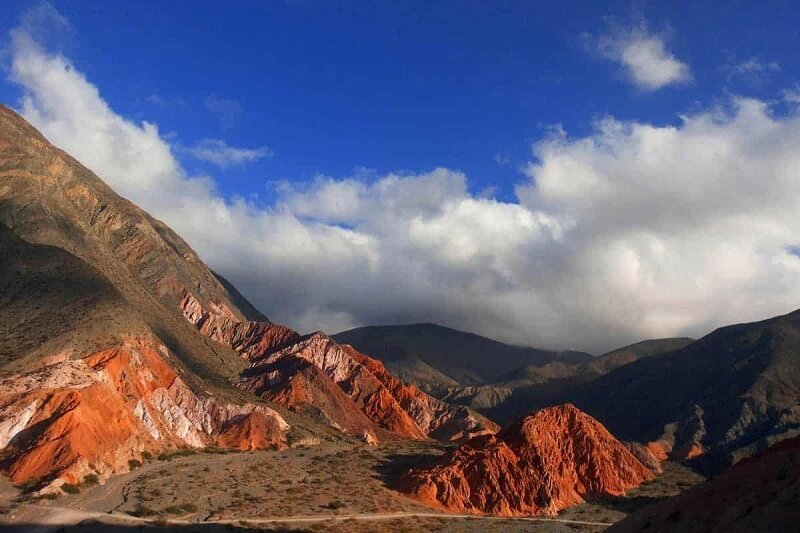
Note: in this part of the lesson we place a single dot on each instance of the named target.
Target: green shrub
(133, 464)
(181, 509)
(69, 488)
(141, 511)
(335, 504)
(91, 479)
(147, 456)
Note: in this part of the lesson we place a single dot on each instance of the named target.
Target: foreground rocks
(543, 463)
(100, 414)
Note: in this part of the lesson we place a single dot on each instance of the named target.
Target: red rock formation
(313, 370)
(759, 493)
(543, 463)
(645, 456)
(93, 415)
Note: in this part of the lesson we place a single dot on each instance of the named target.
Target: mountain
(725, 396)
(544, 462)
(760, 493)
(292, 370)
(436, 355)
(531, 387)
(117, 342)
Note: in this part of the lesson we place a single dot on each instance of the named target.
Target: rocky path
(46, 519)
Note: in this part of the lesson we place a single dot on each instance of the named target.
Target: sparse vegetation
(69, 488)
(335, 504)
(142, 511)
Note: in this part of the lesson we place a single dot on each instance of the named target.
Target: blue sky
(331, 87)
(560, 174)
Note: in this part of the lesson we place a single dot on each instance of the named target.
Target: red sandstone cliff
(353, 391)
(76, 417)
(543, 463)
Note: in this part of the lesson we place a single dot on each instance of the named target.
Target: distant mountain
(435, 355)
(724, 396)
(534, 386)
(117, 342)
(761, 493)
(539, 465)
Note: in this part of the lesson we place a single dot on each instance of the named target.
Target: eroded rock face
(315, 370)
(93, 415)
(759, 493)
(539, 465)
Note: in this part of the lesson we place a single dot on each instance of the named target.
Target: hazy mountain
(534, 386)
(455, 357)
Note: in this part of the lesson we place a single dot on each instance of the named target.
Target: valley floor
(331, 487)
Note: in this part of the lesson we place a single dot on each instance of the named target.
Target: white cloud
(218, 152)
(644, 56)
(633, 231)
(753, 71)
(755, 65)
(226, 109)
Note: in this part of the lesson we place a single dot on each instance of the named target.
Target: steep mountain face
(296, 370)
(543, 463)
(435, 355)
(760, 493)
(72, 418)
(531, 387)
(722, 397)
(101, 359)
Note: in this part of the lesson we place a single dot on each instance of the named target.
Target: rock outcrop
(352, 390)
(759, 493)
(94, 415)
(100, 354)
(545, 462)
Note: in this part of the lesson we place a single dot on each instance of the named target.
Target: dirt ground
(331, 487)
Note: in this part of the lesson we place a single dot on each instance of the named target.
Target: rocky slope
(545, 462)
(71, 418)
(102, 359)
(760, 493)
(430, 354)
(723, 397)
(314, 370)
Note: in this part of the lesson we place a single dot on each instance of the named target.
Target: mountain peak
(544, 462)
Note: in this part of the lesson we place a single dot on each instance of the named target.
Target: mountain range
(118, 344)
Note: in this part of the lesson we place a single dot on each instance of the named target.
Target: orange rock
(94, 415)
(344, 384)
(659, 449)
(543, 463)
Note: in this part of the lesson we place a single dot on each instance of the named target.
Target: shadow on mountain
(627, 504)
(393, 467)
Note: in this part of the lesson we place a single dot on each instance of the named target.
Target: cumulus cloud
(644, 56)
(218, 152)
(226, 109)
(633, 231)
